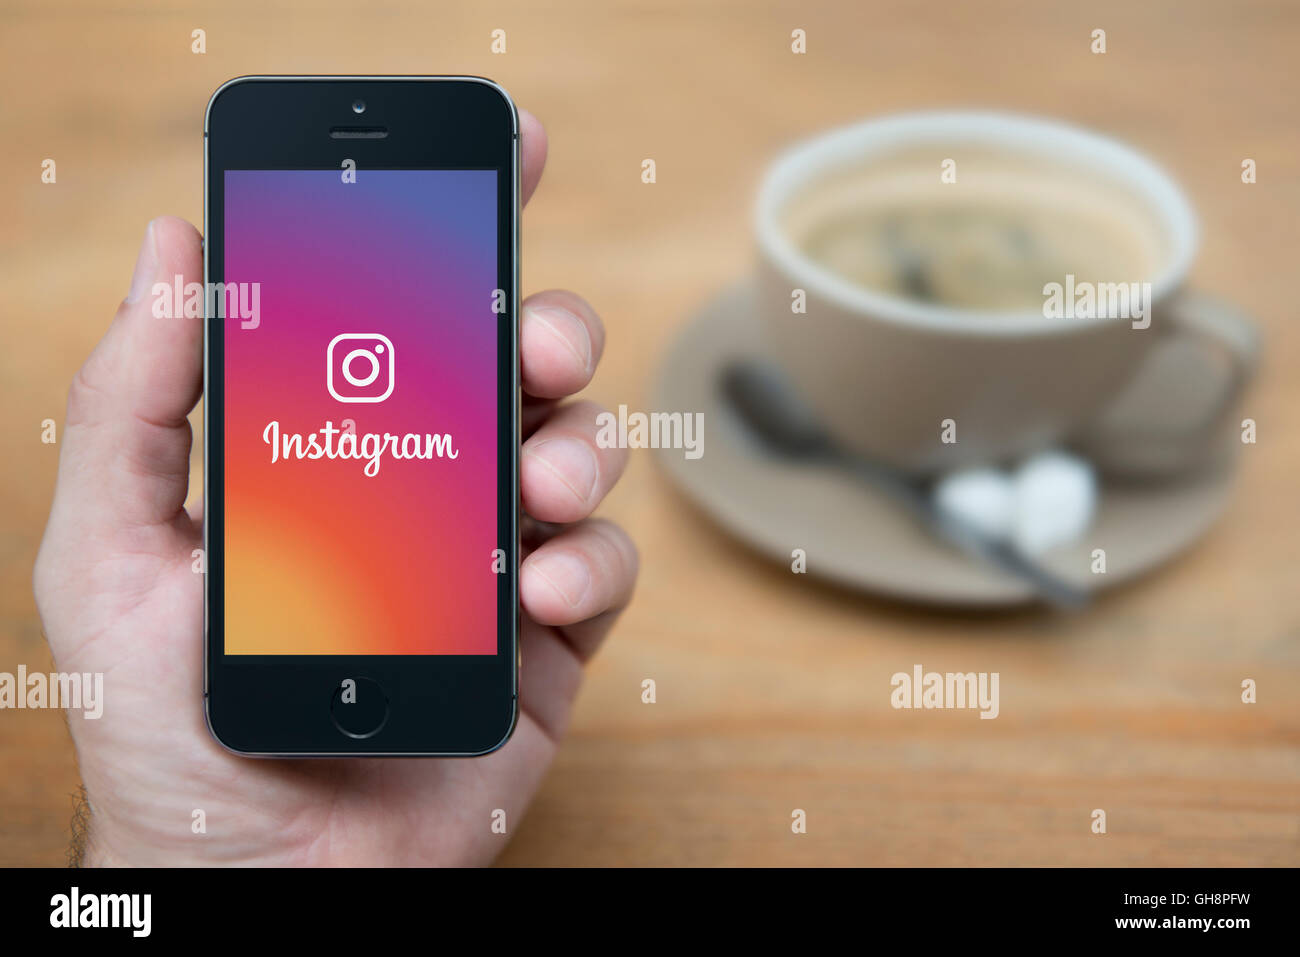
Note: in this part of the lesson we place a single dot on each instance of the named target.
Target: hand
(117, 595)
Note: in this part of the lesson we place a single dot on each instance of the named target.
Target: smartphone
(361, 416)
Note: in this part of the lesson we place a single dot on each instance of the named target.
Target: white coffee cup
(899, 379)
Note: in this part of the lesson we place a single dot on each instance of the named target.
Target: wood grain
(772, 689)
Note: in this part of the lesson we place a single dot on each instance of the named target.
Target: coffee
(989, 241)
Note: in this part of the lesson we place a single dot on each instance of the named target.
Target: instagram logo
(362, 374)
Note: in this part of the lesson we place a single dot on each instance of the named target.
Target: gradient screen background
(321, 559)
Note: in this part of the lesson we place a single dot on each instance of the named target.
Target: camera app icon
(359, 367)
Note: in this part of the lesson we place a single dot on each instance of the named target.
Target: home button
(359, 707)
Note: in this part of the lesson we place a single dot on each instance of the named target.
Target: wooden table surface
(772, 689)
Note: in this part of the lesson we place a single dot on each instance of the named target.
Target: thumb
(126, 452)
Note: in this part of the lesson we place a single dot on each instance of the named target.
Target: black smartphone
(361, 415)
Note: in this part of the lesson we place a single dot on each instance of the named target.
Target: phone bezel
(439, 705)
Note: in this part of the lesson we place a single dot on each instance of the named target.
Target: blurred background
(773, 688)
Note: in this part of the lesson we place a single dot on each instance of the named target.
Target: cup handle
(1221, 325)
(1212, 324)
(1135, 450)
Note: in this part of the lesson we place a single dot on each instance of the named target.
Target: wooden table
(772, 689)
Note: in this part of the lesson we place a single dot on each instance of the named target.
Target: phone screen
(361, 420)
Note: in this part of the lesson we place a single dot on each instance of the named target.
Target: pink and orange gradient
(321, 559)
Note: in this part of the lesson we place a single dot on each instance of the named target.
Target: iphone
(361, 416)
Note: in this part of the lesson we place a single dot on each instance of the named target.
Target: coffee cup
(949, 289)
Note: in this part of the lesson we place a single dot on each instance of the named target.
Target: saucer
(854, 534)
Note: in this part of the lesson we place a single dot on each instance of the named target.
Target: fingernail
(566, 573)
(146, 267)
(570, 330)
(572, 461)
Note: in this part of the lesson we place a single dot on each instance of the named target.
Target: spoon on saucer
(773, 414)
